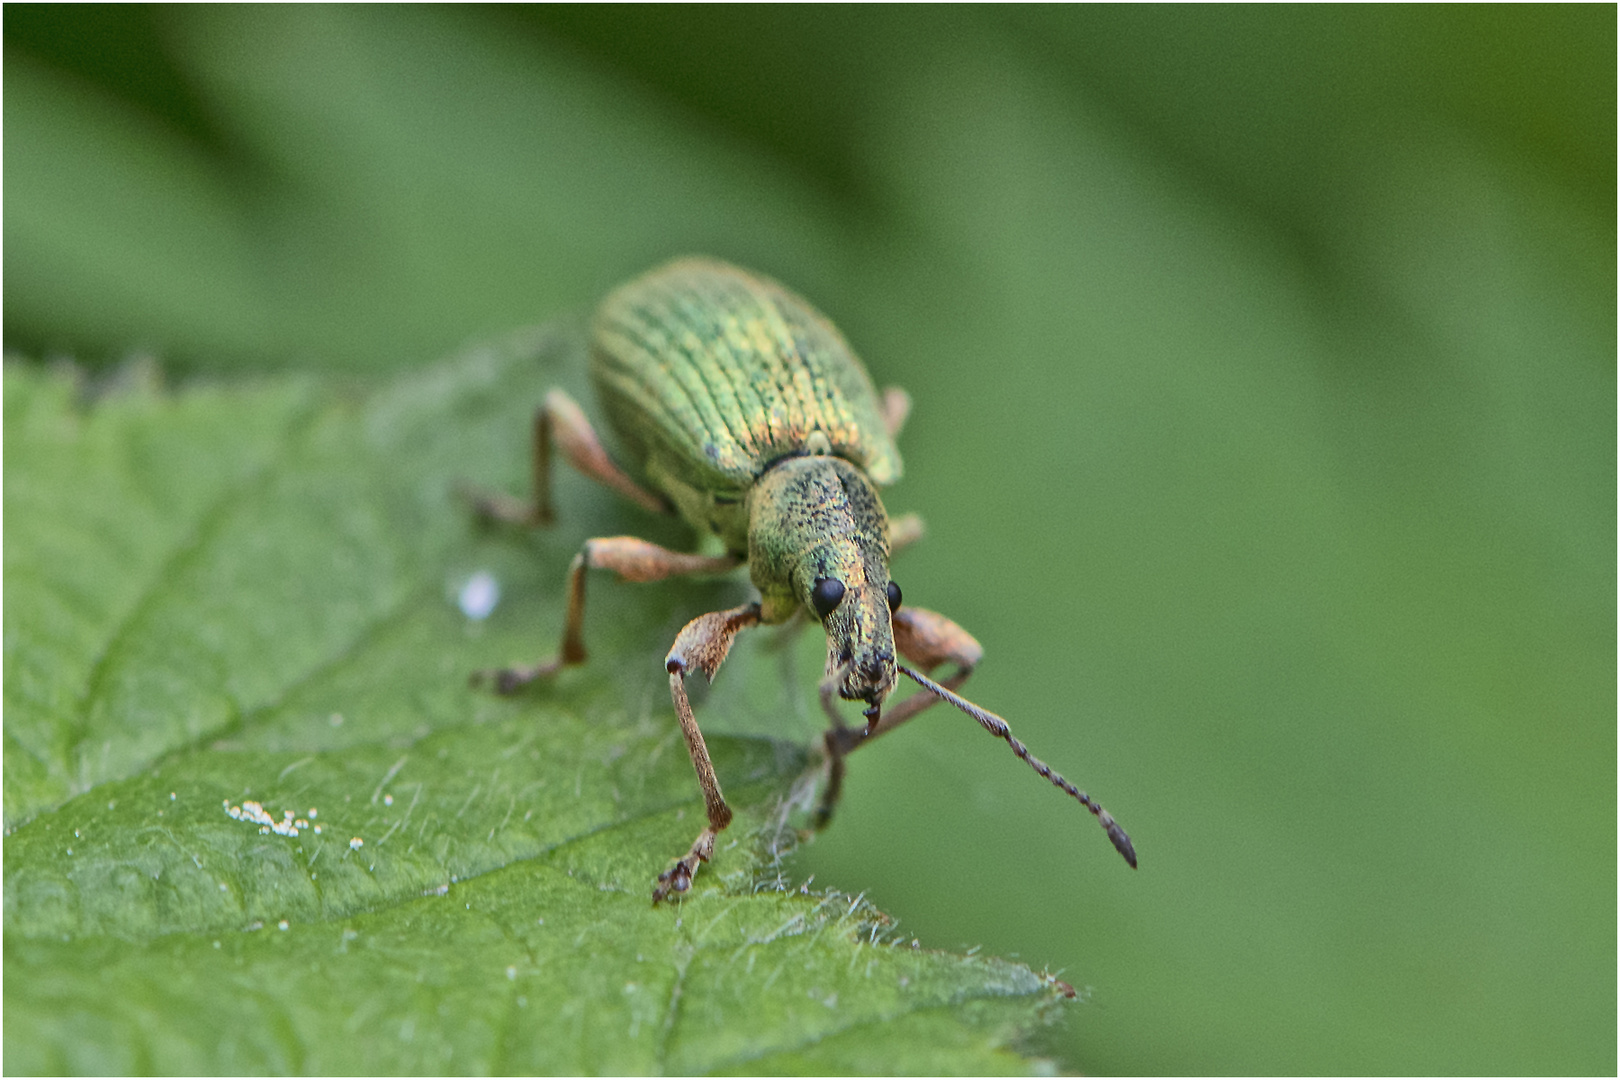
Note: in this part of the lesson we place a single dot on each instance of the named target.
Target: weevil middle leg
(559, 420)
(633, 559)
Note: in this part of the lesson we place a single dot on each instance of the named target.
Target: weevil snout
(871, 678)
(860, 648)
(878, 674)
(842, 682)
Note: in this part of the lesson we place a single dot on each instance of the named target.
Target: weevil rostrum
(741, 408)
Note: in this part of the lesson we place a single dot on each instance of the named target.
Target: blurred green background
(1264, 369)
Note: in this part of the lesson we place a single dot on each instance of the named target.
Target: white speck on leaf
(393, 771)
(479, 595)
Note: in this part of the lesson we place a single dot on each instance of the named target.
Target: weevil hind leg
(560, 422)
(701, 645)
(632, 559)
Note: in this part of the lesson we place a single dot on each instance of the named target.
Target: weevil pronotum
(741, 408)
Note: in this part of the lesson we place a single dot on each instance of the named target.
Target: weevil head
(818, 538)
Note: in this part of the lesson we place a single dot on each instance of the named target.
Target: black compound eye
(825, 595)
(894, 598)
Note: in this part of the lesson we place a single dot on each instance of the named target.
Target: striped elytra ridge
(710, 374)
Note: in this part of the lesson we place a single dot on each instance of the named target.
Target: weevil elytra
(741, 408)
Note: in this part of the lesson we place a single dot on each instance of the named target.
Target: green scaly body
(709, 375)
(748, 410)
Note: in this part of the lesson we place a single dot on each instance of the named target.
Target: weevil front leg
(561, 422)
(703, 645)
(632, 559)
(926, 638)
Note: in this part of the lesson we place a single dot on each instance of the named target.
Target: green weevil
(740, 407)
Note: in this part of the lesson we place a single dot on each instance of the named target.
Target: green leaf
(258, 822)
(1263, 363)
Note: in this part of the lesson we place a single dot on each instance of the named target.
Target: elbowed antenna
(996, 726)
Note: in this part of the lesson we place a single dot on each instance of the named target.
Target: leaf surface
(257, 821)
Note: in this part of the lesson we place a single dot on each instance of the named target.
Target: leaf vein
(191, 547)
